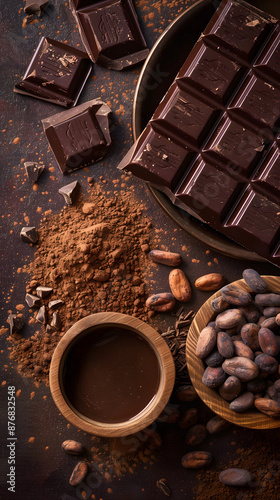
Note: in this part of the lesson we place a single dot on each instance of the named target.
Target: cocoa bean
(230, 389)
(243, 402)
(72, 447)
(274, 391)
(197, 460)
(249, 334)
(161, 302)
(251, 313)
(214, 359)
(210, 282)
(243, 350)
(213, 377)
(196, 435)
(271, 311)
(219, 304)
(257, 385)
(167, 258)
(267, 300)
(186, 393)
(277, 319)
(268, 342)
(236, 329)
(267, 364)
(235, 295)
(189, 418)
(225, 345)
(169, 415)
(79, 473)
(180, 285)
(254, 281)
(235, 477)
(268, 407)
(243, 368)
(229, 319)
(217, 424)
(262, 319)
(206, 342)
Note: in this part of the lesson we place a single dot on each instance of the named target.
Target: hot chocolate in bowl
(111, 374)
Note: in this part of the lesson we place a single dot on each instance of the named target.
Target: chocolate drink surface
(212, 145)
(111, 374)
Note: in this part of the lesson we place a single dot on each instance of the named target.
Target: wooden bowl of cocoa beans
(233, 351)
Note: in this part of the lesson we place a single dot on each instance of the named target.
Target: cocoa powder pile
(92, 255)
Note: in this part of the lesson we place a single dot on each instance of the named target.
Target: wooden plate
(251, 419)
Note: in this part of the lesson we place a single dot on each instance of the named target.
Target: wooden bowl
(153, 408)
(196, 367)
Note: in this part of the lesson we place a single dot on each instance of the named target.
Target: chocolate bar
(110, 32)
(79, 136)
(213, 143)
(57, 73)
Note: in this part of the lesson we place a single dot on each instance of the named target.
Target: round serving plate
(159, 70)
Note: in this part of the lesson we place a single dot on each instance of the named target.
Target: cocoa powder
(90, 255)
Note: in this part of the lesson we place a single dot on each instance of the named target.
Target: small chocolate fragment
(16, 323)
(80, 136)
(32, 300)
(69, 192)
(43, 291)
(57, 73)
(29, 235)
(42, 315)
(33, 170)
(53, 304)
(36, 7)
(56, 321)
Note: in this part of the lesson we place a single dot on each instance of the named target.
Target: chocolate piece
(56, 73)
(42, 315)
(56, 321)
(110, 32)
(80, 136)
(69, 192)
(43, 291)
(16, 323)
(33, 170)
(32, 300)
(213, 144)
(29, 235)
(53, 304)
(36, 7)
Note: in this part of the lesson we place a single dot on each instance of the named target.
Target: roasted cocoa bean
(235, 295)
(251, 313)
(72, 447)
(161, 302)
(271, 311)
(235, 477)
(254, 281)
(268, 342)
(256, 386)
(277, 319)
(267, 300)
(271, 324)
(243, 402)
(268, 406)
(210, 282)
(214, 359)
(219, 304)
(249, 334)
(186, 393)
(243, 368)
(213, 377)
(197, 460)
(217, 424)
(180, 285)
(206, 342)
(236, 329)
(229, 319)
(167, 258)
(79, 473)
(267, 364)
(189, 418)
(243, 350)
(274, 391)
(170, 414)
(225, 345)
(231, 388)
(196, 435)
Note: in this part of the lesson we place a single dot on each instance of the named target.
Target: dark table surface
(42, 470)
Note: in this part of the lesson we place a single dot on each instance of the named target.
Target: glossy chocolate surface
(111, 374)
(213, 144)
(110, 32)
(56, 73)
(80, 136)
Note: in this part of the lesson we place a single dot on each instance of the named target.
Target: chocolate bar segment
(110, 32)
(223, 112)
(56, 73)
(80, 136)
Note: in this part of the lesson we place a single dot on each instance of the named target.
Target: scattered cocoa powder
(90, 255)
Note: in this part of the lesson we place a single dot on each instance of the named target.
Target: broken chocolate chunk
(16, 323)
(53, 304)
(33, 170)
(56, 321)
(32, 300)
(42, 315)
(29, 235)
(36, 7)
(69, 192)
(43, 291)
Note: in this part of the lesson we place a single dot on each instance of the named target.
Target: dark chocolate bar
(57, 73)
(110, 32)
(79, 136)
(213, 144)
